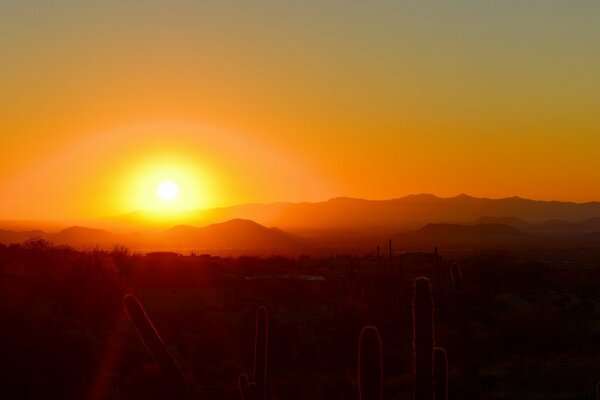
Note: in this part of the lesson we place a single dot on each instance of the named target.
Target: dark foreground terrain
(523, 325)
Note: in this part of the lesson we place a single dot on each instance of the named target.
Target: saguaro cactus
(456, 274)
(155, 345)
(370, 366)
(440, 373)
(423, 339)
(255, 389)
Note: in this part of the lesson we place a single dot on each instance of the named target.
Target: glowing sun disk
(167, 190)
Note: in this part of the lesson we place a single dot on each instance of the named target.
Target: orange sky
(272, 101)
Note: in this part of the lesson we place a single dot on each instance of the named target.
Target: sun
(167, 190)
(166, 186)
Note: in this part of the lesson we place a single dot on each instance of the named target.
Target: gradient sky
(262, 101)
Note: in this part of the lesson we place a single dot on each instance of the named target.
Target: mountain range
(415, 221)
(233, 234)
(406, 213)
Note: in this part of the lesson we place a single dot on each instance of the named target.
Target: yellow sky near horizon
(279, 101)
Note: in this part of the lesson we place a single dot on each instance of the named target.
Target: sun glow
(167, 190)
(167, 184)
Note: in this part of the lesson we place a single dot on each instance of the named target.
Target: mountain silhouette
(343, 221)
(498, 230)
(560, 226)
(450, 236)
(511, 221)
(79, 235)
(233, 234)
(10, 236)
(592, 224)
(406, 213)
(236, 233)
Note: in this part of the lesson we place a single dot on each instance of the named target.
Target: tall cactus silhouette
(255, 390)
(440, 373)
(370, 366)
(456, 275)
(430, 363)
(155, 345)
(423, 339)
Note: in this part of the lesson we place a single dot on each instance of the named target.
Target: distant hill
(78, 236)
(450, 236)
(560, 226)
(550, 226)
(555, 233)
(236, 233)
(9, 236)
(511, 221)
(592, 224)
(497, 230)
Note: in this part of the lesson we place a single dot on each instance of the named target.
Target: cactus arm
(155, 345)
